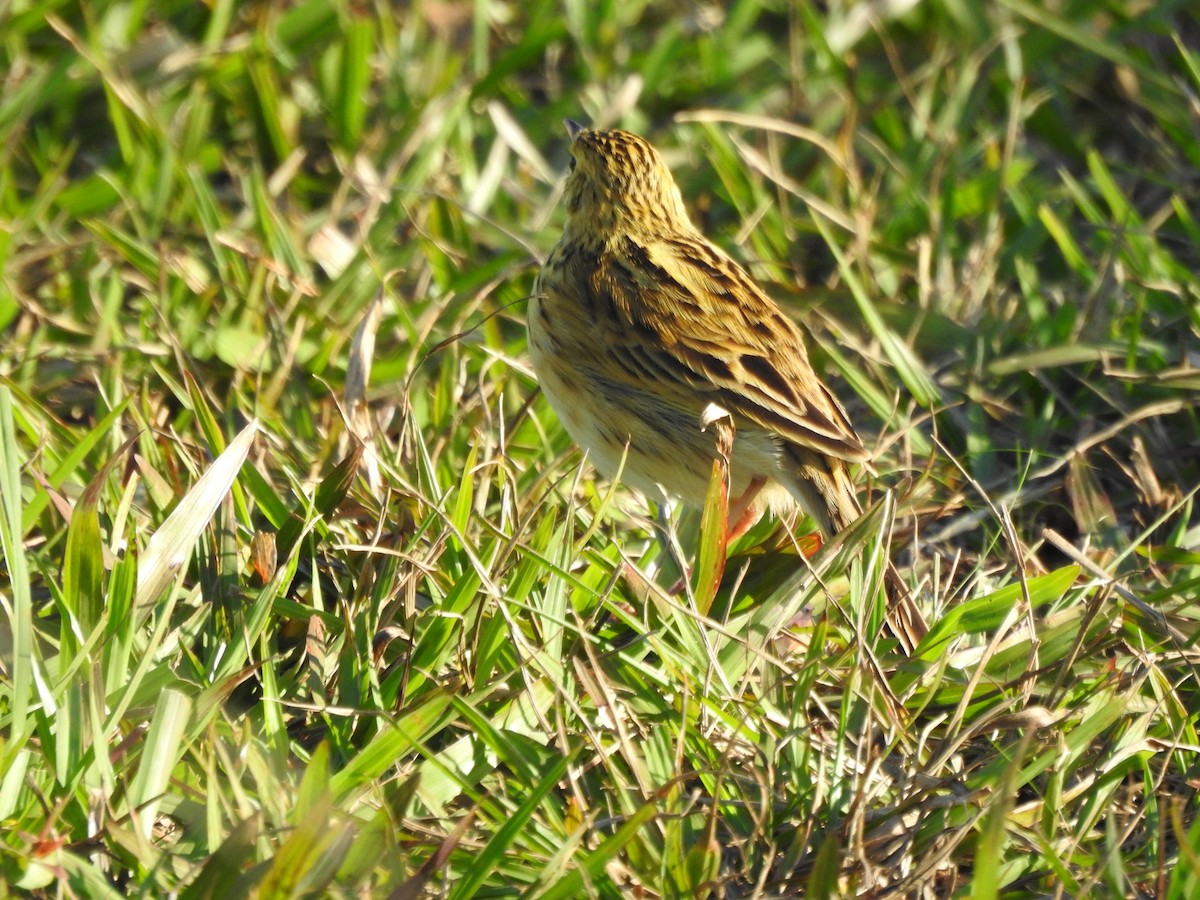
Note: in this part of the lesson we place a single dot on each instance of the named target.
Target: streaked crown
(618, 182)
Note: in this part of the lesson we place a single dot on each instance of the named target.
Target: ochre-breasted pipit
(642, 331)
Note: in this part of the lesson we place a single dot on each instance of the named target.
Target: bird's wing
(724, 340)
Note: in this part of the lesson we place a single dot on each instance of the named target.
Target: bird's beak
(574, 129)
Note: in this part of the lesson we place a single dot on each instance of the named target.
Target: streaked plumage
(639, 324)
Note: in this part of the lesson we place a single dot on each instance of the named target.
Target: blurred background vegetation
(395, 642)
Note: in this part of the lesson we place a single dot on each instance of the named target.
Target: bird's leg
(742, 512)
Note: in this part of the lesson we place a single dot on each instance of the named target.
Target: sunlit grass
(305, 590)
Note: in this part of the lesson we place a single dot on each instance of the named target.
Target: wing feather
(725, 341)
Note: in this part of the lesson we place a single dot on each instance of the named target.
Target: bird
(643, 333)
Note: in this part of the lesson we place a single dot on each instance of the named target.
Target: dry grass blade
(172, 544)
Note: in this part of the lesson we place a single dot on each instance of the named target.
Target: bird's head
(618, 183)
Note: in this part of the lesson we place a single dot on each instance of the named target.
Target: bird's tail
(833, 503)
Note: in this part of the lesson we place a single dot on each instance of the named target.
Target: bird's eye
(571, 164)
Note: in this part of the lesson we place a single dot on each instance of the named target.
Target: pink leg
(740, 516)
(742, 512)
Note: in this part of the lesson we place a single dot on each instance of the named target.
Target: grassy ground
(244, 653)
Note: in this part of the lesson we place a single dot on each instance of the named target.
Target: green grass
(306, 593)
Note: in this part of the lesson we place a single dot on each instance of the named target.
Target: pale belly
(659, 448)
